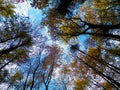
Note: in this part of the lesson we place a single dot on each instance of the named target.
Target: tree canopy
(79, 50)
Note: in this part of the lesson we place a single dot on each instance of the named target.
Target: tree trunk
(46, 87)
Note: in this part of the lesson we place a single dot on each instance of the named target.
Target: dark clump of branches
(74, 48)
(63, 7)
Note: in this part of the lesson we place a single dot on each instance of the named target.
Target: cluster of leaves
(103, 11)
(6, 8)
(80, 84)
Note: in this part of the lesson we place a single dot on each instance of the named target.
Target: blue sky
(35, 15)
(25, 9)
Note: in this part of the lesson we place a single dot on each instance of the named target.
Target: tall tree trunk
(7, 63)
(33, 77)
(107, 78)
(46, 87)
(24, 87)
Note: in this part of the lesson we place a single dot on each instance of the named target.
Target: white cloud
(22, 8)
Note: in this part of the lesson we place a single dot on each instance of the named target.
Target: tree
(48, 65)
(100, 66)
(15, 40)
(40, 71)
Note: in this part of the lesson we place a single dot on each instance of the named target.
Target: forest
(76, 45)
